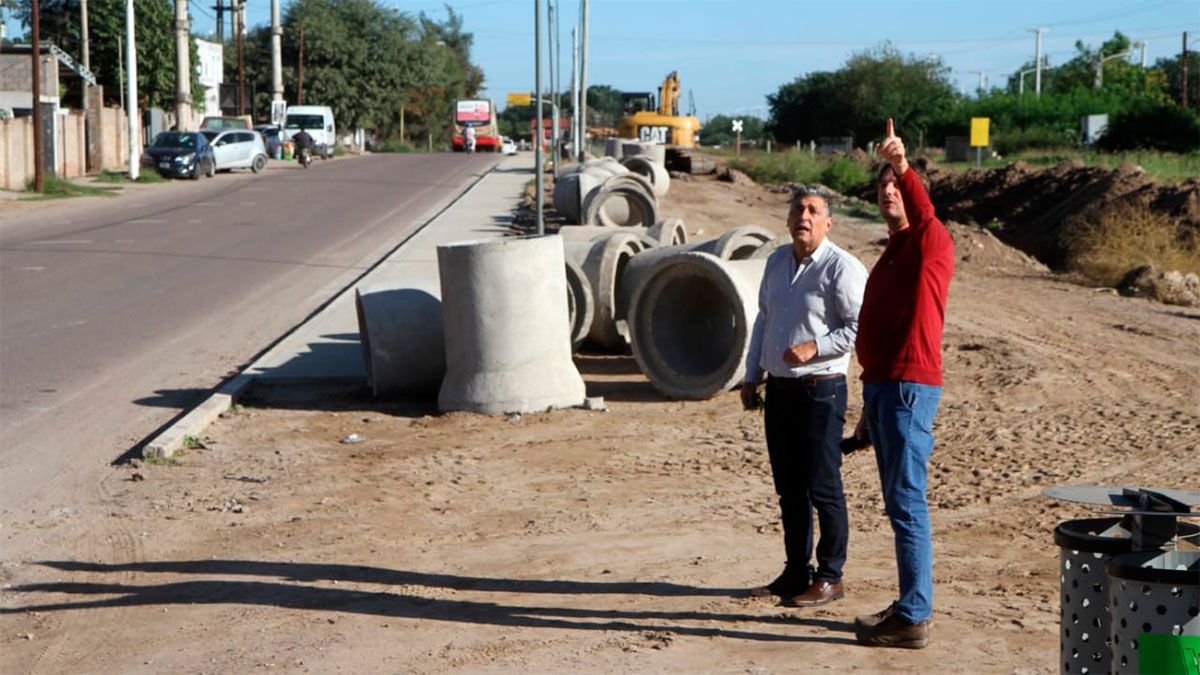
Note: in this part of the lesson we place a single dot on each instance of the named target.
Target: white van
(317, 120)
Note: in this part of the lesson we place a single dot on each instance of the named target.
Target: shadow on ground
(290, 593)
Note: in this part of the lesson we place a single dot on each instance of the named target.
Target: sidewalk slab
(327, 346)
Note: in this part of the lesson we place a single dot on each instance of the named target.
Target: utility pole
(121, 72)
(87, 55)
(39, 176)
(537, 90)
(551, 40)
(574, 90)
(583, 79)
(276, 54)
(183, 70)
(219, 8)
(1142, 44)
(1037, 63)
(982, 80)
(1183, 64)
(135, 132)
(239, 16)
(300, 84)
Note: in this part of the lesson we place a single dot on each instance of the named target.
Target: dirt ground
(616, 541)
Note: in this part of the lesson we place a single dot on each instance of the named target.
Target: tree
(1173, 70)
(60, 22)
(855, 100)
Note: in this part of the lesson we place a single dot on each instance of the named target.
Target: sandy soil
(616, 541)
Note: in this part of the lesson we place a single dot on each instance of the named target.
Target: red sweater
(904, 305)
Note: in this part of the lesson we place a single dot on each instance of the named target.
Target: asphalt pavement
(120, 315)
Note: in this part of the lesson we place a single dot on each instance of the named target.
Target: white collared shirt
(817, 299)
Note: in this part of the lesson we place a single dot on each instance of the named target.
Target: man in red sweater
(899, 347)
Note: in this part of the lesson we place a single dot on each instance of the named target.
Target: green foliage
(1151, 125)
(58, 188)
(106, 24)
(857, 99)
(369, 62)
(841, 174)
(718, 130)
(846, 176)
(1172, 67)
(515, 121)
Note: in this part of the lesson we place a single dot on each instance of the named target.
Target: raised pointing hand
(892, 149)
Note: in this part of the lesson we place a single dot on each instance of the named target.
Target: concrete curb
(193, 423)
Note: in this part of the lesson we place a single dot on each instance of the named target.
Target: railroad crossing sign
(737, 126)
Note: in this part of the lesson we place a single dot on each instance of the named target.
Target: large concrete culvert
(507, 332)
(581, 306)
(690, 323)
(623, 200)
(402, 342)
(604, 263)
(669, 232)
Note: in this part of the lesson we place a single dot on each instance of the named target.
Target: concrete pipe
(402, 341)
(669, 232)
(657, 153)
(621, 201)
(508, 343)
(588, 233)
(604, 264)
(613, 147)
(739, 243)
(581, 306)
(571, 191)
(770, 247)
(691, 321)
(655, 174)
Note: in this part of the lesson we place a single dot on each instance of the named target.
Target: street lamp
(1100, 66)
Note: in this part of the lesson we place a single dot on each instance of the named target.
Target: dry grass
(1106, 243)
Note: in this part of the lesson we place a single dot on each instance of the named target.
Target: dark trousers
(804, 423)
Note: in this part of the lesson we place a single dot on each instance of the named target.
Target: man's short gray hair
(813, 191)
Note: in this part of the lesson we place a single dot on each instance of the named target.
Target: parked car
(272, 137)
(182, 154)
(238, 149)
(317, 120)
(507, 147)
(213, 123)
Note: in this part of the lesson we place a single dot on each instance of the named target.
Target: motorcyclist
(469, 138)
(303, 142)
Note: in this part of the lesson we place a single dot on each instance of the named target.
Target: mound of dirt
(1036, 206)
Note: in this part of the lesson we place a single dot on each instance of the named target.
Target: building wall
(16, 146)
(211, 66)
(16, 80)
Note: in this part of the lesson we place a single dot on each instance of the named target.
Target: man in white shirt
(807, 321)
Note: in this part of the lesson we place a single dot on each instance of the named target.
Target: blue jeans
(900, 416)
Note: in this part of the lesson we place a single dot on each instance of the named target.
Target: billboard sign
(473, 112)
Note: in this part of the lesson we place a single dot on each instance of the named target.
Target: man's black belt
(803, 380)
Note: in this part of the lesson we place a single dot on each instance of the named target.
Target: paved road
(117, 314)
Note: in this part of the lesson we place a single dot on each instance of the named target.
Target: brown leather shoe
(894, 631)
(821, 592)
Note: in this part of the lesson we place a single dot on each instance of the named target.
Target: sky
(731, 55)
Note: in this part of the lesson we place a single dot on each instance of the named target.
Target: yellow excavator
(662, 124)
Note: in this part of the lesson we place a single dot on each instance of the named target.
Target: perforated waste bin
(1154, 599)
(1085, 546)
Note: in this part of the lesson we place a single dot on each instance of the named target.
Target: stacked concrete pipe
(669, 232)
(593, 232)
(604, 260)
(603, 192)
(736, 242)
(691, 320)
(508, 344)
(581, 305)
(654, 172)
(770, 247)
(653, 151)
(402, 342)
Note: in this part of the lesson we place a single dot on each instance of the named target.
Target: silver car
(238, 149)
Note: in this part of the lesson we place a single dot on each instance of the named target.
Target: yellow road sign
(520, 99)
(979, 132)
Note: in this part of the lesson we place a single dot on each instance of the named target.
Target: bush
(1106, 244)
(782, 167)
(1152, 125)
(1034, 138)
(846, 176)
